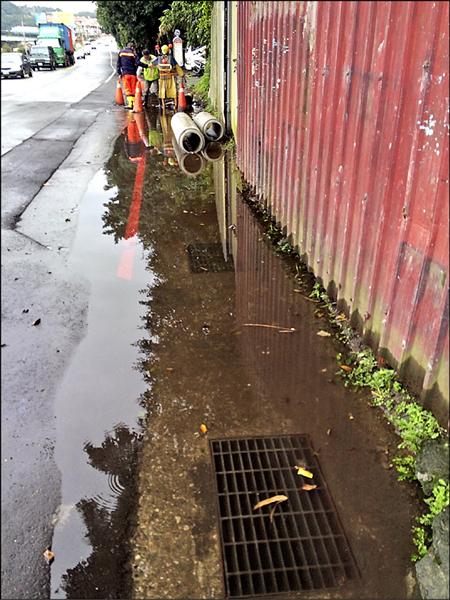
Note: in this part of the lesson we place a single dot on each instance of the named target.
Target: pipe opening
(213, 151)
(214, 131)
(191, 142)
(192, 163)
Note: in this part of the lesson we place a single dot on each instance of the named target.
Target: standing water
(197, 330)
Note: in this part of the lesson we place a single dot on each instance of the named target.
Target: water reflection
(149, 133)
(105, 573)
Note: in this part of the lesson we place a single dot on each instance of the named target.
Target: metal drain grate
(304, 548)
(208, 257)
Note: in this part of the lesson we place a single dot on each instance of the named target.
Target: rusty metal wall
(342, 130)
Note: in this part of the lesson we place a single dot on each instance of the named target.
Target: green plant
(421, 539)
(201, 88)
(437, 502)
(414, 424)
(405, 467)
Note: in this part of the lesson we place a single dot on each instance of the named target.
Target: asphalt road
(57, 130)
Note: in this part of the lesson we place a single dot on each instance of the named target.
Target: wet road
(45, 176)
(137, 346)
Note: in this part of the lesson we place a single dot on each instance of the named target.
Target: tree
(193, 19)
(131, 21)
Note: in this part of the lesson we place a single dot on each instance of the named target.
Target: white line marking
(113, 69)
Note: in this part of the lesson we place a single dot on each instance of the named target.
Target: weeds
(412, 422)
(437, 503)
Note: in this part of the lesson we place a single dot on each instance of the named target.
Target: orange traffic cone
(138, 99)
(182, 104)
(119, 94)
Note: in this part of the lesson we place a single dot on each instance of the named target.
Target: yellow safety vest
(151, 72)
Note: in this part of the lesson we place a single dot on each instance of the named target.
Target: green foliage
(13, 15)
(405, 467)
(201, 88)
(421, 539)
(414, 425)
(193, 19)
(437, 502)
(131, 21)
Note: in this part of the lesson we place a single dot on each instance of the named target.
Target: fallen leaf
(319, 314)
(49, 555)
(203, 428)
(328, 431)
(308, 487)
(279, 498)
(350, 416)
(346, 368)
(36, 322)
(170, 369)
(304, 472)
(323, 370)
(323, 333)
(341, 317)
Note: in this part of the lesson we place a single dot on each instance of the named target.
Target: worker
(126, 69)
(168, 70)
(148, 74)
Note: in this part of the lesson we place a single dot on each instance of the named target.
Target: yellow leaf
(307, 487)
(346, 368)
(341, 317)
(304, 472)
(323, 333)
(203, 428)
(279, 498)
(49, 555)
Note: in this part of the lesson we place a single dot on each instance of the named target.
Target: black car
(43, 57)
(15, 64)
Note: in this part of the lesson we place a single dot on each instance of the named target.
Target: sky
(73, 7)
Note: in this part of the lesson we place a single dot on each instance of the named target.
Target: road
(57, 130)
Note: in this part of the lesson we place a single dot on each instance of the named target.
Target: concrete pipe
(211, 127)
(187, 135)
(212, 151)
(190, 164)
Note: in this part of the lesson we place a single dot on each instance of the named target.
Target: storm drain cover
(303, 546)
(208, 257)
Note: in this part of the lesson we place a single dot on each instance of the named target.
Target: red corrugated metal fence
(343, 132)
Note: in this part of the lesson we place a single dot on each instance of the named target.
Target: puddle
(169, 347)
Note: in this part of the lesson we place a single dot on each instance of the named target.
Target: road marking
(113, 69)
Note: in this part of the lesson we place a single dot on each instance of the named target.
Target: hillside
(13, 15)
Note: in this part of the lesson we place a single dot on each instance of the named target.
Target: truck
(59, 37)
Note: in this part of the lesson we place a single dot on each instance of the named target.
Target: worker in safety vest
(168, 70)
(126, 69)
(148, 75)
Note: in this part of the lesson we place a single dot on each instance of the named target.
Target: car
(15, 64)
(43, 57)
(80, 53)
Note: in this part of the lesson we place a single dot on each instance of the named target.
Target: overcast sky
(74, 7)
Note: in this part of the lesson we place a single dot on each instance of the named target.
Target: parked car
(15, 64)
(43, 57)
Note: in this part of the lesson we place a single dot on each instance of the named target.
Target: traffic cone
(138, 99)
(182, 104)
(119, 94)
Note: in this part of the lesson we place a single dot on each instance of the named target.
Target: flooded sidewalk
(207, 356)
